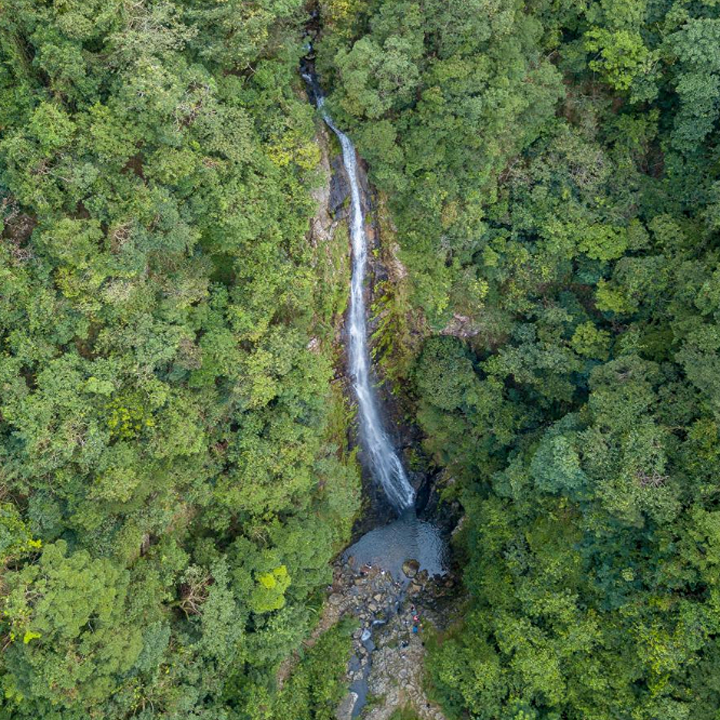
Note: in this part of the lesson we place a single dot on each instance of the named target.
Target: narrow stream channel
(407, 537)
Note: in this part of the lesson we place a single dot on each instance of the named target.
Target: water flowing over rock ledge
(394, 574)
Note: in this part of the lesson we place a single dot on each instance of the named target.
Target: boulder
(410, 568)
(345, 710)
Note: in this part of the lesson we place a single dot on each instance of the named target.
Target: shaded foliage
(553, 173)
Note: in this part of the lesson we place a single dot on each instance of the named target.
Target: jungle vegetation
(173, 482)
(553, 168)
(174, 479)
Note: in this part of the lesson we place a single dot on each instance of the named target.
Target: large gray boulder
(410, 568)
(345, 711)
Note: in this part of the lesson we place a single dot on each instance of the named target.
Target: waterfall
(383, 461)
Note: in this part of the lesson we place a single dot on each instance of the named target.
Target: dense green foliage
(171, 485)
(553, 170)
(314, 690)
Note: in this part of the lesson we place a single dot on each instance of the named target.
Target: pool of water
(389, 546)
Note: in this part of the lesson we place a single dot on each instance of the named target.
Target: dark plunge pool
(389, 546)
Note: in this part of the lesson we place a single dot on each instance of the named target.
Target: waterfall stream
(388, 547)
(383, 460)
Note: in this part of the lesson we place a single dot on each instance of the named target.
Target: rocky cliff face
(331, 194)
(386, 275)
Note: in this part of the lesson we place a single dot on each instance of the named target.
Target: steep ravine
(383, 268)
(394, 580)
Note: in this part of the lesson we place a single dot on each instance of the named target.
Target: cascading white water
(384, 462)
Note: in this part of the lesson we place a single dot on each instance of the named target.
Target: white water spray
(384, 463)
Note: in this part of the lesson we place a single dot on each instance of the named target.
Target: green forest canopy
(171, 486)
(553, 169)
(173, 476)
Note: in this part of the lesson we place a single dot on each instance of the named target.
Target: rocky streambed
(397, 603)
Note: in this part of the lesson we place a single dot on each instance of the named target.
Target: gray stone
(345, 710)
(335, 599)
(339, 188)
(410, 568)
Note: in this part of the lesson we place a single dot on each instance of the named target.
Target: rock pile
(388, 654)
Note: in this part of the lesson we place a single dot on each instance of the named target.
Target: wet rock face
(339, 186)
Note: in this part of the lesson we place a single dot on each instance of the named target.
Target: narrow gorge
(393, 579)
